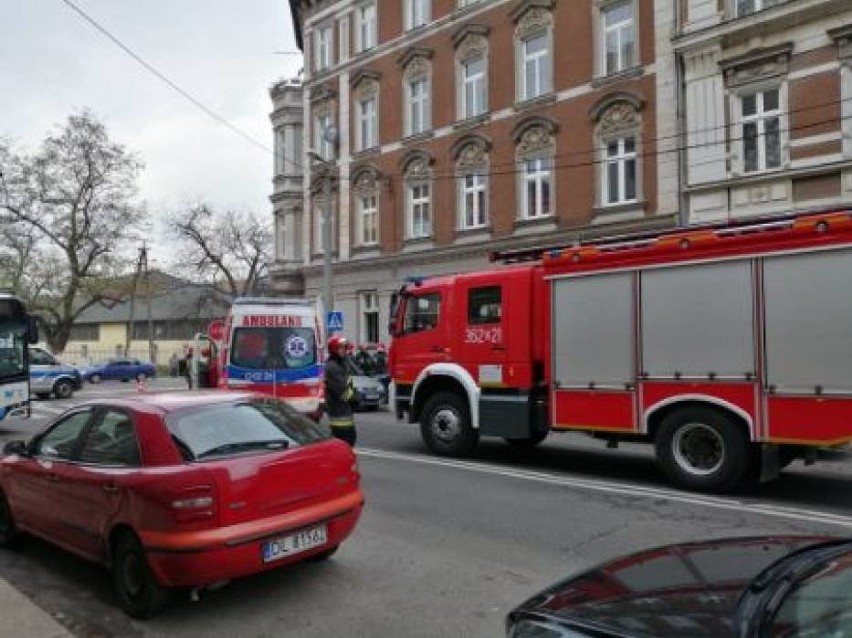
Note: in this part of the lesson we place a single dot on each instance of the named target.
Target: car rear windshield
(253, 426)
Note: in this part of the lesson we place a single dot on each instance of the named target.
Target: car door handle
(111, 488)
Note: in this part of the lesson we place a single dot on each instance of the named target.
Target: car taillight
(195, 506)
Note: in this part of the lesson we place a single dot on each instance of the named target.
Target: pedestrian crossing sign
(334, 321)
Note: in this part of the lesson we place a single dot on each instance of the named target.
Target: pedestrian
(173, 365)
(340, 395)
(189, 368)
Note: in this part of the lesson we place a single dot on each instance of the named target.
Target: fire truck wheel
(703, 449)
(445, 425)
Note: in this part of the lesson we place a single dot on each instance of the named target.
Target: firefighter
(340, 395)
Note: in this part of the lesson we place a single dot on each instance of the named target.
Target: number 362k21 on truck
(727, 347)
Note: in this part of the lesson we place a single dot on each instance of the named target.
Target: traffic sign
(334, 321)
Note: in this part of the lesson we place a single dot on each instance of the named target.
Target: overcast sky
(52, 63)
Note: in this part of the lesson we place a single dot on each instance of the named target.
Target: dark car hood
(678, 590)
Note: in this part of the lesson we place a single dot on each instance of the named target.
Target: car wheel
(63, 389)
(9, 534)
(445, 425)
(704, 450)
(139, 593)
(528, 443)
(322, 556)
(95, 378)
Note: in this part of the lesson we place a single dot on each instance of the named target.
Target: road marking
(731, 504)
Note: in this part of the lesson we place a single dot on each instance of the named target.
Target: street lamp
(330, 135)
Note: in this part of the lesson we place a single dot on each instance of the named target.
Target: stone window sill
(535, 102)
(621, 76)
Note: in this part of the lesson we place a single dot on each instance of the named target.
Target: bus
(17, 330)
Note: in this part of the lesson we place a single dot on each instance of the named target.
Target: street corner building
(453, 128)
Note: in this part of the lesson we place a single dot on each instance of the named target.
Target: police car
(50, 376)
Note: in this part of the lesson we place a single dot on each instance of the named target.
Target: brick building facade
(469, 126)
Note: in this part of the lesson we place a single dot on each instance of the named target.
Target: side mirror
(32, 329)
(16, 447)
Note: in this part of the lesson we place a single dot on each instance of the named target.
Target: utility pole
(129, 335)
(152, 350)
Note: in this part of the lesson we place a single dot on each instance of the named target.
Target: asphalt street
(445, 548)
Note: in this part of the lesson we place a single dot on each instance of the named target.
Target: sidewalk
(21, 618)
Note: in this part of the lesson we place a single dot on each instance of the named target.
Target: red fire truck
(727, 347)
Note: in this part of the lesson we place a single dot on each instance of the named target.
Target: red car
(181, 490)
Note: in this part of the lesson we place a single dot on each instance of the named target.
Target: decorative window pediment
(757, 65)
(843, 37)
(416, 62)
(534, 134)
(471, 151)
(471, 34)
(366, 179)
(616, 113)
(322, 93)
(416, 164)
(365, 82)
(531, 16)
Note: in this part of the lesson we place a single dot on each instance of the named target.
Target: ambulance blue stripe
(276, 376)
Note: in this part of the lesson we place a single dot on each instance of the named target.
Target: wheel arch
(657, 413)
(447, 377)
(118, 530)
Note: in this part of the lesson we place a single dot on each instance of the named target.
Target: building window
(619, 174)
(473, 200)
(319, 227)
(367, 124)
(417, 13)
(467, 3)
(419, 204)
(473, 87)
(618, 37)
(760, 124)
(537, 186)
(745, 7)
(322, 124)
(365, 25)
(368, 217)
(370, 314)
(323, 47)
(418, 106)
(536, 72)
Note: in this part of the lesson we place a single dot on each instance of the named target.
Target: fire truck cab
(729, 348)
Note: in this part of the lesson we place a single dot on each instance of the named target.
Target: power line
(186, 95)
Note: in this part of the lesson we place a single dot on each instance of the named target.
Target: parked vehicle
(727, 347)
(371, 391)
(119, 369)
(49, 376)
(181, 490)
(271, 346)
(733, 588)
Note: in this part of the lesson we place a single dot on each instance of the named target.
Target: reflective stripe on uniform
(341, 422)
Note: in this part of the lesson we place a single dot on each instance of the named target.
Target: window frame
(362, 19)
(413, 204)
(418, 13)
(325, 148)
(419, 103)
(544, 75)
(363, 214)
(620, 159)
(759, 118)
(323, 48)
(408, 304)
(619, 28)
(369, 300)
(524, 179)
(35, 445)
(477, 81)
(368, 123)
(480, 211)
(483, 293)
(100, 415)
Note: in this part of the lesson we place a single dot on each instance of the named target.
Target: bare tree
(74, 198)
(231, 247)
